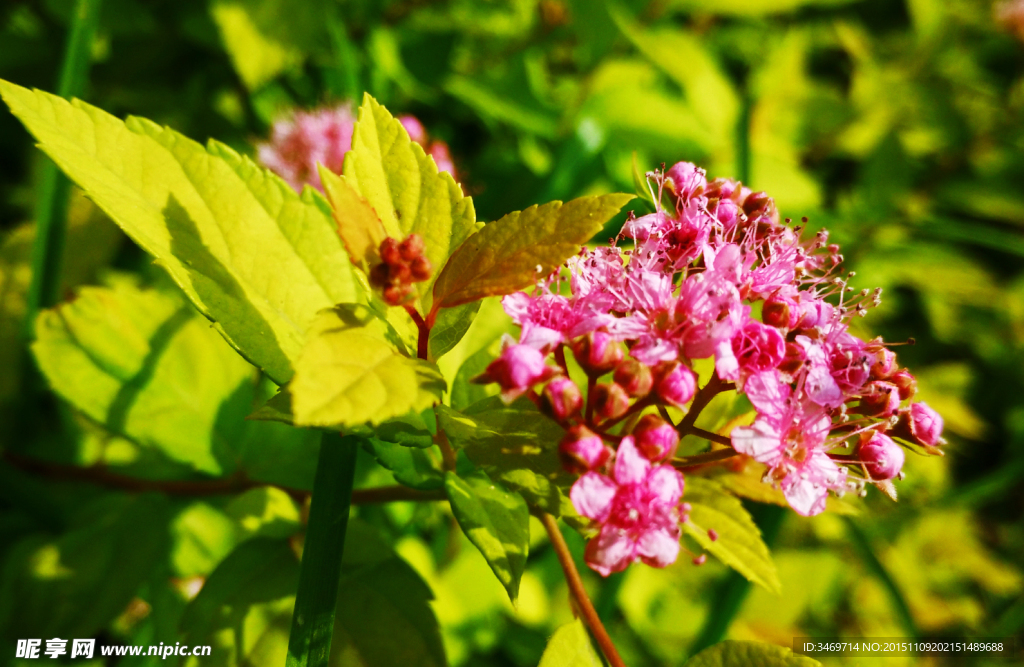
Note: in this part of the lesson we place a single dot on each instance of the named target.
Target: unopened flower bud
(635, 378)
(597, 352)
(517, 369)
(655, 438)
(420, 269)
(757, 203)
(610, 400)
(396, 295)
(412, 247)
(389, 252)
(906, 383)
(561, 398)
(379, 275)
(793, 359)
(727, 212)
(880, 399)
(676, 384)
(920, 424)
(777, 313)
(882, 458)
(685, 180)
(581, 450)
(885, 364)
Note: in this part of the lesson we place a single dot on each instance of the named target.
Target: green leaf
(570, 647)
(449, 328)
(251, 254)
(267, 37)
(513, 252)
(258, 570)
(753, 7)
(76, 584)
(496, 521)
(743, 654)
(264, 512)
(402, 184)
(203, 535)
(384, 617)
(516, 445)
(748, 484)
(739, 544)
(410, 466)
(142, 364)
(350, 374)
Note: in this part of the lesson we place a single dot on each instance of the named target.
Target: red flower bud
(396, 295)
(880, 399)
(412, 247)
(389, 252)
(655, 438)
(882, 458)
(610, 401)
(581, 450)
(635, 378)
(420, 269)
(776, 313)
(920, 424)
(885, 365)
(906, 383)
(676, 384)
(561, 398)
(597, 352)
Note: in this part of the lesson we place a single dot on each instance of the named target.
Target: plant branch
(707, 435)
(579, 593)
(714, 387)
(448, 459)
(423, 339)
(100, 476)
(703, 459)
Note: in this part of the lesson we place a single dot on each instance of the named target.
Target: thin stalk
(707, 435)
(579, 593)
(423, 338)
(714, 387)
(54, 187)
(874, 565)
(448, 458)
(684, 462)
(313, 619)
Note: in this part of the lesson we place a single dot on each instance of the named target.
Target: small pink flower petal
(666, 484)
(611, 551)
(658, 548)
(630, 465)
(592, 496)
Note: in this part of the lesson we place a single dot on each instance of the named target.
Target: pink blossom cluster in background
(1010, 15)
(713, 273)
(303, 139)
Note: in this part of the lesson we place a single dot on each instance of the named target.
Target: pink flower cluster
(713, 273)
(323, 136)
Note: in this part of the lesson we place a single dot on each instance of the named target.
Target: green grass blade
(53, 189)
(313, 619)
(863, 545)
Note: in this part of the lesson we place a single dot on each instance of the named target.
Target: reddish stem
(560, 358)
(579, 593)
(448, 458)
(423, 340)
(197, 488)
(704, 459)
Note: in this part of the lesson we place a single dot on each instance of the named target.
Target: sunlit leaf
(743, 654)
(351, 374)
(515, 445)
(496, 521)
(570, 647)
(405, 189)
(738, 544)
(253, 256)
(513, 252)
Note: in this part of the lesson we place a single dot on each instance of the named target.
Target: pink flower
(758, 347)
(637, 510)
(881, 457)
(517, 369)
(297, 143)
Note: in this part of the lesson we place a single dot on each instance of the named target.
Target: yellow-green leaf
(738, 544)
(353, 372)
(570, 647)
(402, 184)
(513, 252)
(496, 521)
(745, 654)
(252, 255)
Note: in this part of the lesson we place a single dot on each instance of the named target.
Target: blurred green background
(898, 125)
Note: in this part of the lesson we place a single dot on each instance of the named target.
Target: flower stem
(309, 644)
(423, 339)
(579, 593)
(54, 187)
(707, 435)
(704, 459)
(714, 387)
